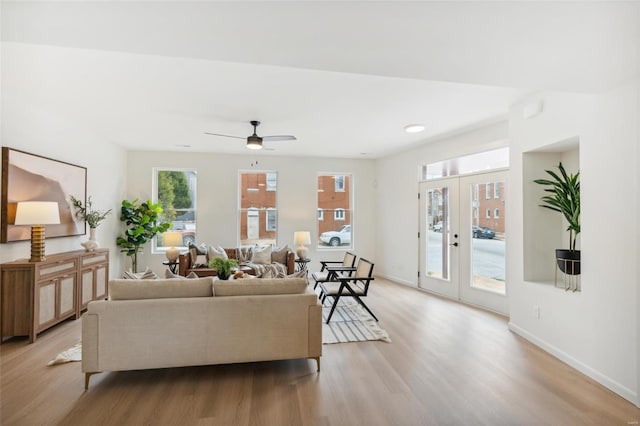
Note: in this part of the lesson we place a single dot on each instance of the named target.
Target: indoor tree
(143, 223)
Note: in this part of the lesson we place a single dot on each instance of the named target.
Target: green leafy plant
(564, 190)
(223, 266)
(143, 223)
(87, 213)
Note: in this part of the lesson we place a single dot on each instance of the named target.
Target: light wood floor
(448, 364)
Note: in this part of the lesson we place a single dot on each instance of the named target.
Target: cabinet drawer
(93, 259)
(56, 268)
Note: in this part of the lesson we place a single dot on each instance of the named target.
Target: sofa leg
(87, 376)
(317, 358)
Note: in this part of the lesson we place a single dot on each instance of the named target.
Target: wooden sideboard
(37, 295)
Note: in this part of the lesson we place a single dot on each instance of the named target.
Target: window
(270, 224)
(487, 191)
(272, 181)
(496, 189)
(257, 207)
(488, 216)
(496, 213)
(334, 220)
(175, 191)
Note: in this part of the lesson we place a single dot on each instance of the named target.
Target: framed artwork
(30, 177)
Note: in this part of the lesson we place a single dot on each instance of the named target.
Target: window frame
(488, 214)
(340, 217)
(155, 248)
(267, 187)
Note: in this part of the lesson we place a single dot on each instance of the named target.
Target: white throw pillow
(262, 255)
(216, 251)
(148, 274)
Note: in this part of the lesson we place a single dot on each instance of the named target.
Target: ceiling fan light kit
(254, 141)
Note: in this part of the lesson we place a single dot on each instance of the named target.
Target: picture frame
(32, 177)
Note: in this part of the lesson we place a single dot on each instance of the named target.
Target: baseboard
(397, 280)
(604, 380)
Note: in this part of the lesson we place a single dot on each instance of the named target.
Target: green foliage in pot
(87, 213)
(143, 223)
(223, 266)
(564, 197)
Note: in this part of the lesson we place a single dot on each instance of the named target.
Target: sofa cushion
(279, 254)
(160, 289)
(216, 251)
(247, 286)
(262, 255)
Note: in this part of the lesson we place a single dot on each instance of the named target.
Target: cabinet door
(87, 287)
(46, 303)
(101, 279)
(67, 296)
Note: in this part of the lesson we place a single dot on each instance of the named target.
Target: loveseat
(188, 262)
(202, 321)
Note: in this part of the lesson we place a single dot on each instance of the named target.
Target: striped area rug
(350, 323)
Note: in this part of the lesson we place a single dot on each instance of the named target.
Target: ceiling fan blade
(279, 138)
(226, 136)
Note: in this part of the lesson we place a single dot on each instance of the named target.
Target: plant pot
(222, 275)
(568, 261)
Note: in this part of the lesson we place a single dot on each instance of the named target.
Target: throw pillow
(279, 255)
(195, 251)
(216, 251)
(148, 274)
(171, 275)
(299, 274)
(192, 275)
(262, 255)
(245, 255)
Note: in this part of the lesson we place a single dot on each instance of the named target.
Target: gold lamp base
(37, 244)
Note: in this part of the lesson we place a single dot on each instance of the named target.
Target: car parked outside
(437, 227)
(482, 232)
(337, 238)
(188, 231)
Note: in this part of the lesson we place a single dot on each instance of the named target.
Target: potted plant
(143, 222)
(564, 197)
(86, 213)
(223, 266)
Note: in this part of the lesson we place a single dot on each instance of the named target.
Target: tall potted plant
(564, 197)
(143, 223)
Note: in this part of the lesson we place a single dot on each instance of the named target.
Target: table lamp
(302, 238)
(37, 214)
(172, 239)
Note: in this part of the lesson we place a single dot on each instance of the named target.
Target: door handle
(454, 244)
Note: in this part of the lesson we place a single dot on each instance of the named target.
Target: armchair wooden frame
(341, 285)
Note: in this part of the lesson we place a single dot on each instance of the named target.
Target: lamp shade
(37, 213)
(172, 239)
(302, 238)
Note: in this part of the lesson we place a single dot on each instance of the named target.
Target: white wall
(297, 198)
(397, 202)
(595, 330)
(28, 128)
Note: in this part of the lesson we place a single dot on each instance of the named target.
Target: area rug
(72, 354)
(350, 323)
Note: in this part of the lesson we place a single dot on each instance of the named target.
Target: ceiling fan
(254, 141)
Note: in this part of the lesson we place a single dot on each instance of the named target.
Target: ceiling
(344, 77)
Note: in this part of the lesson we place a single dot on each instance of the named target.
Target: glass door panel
(438, 240)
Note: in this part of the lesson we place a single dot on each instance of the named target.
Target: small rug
(72, 354)
(350, 323)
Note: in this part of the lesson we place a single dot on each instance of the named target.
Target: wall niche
(545, 230)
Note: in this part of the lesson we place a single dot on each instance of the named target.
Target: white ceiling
(344, 77)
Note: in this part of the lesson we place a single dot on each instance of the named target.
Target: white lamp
(302, 238)
(172, 239)
(37, 214)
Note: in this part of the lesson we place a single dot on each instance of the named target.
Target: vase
(92, 244)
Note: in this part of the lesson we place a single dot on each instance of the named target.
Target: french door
(462, 239)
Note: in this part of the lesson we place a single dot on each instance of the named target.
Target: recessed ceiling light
(413, 128)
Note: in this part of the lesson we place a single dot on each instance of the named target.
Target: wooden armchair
(341, 285)
(348, 261)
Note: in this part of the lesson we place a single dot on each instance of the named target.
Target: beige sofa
(173, 323)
